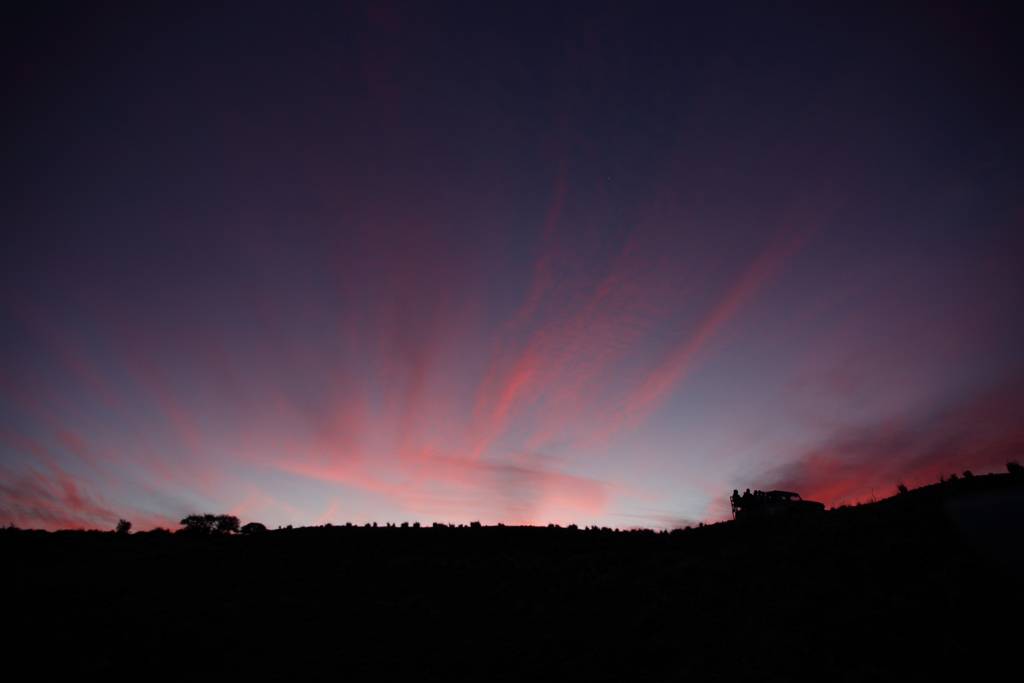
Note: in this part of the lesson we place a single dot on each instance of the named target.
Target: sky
(529, 263)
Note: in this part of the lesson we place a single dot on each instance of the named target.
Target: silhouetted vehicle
(767, 504)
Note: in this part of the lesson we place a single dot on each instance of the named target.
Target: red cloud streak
(982, 433)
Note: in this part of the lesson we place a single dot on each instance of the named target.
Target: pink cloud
(981, 433)
(665, 378)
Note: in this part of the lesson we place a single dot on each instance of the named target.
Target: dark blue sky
(572, 262)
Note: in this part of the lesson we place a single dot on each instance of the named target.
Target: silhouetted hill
(926, 583)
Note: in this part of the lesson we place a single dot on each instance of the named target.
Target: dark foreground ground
(921, 585)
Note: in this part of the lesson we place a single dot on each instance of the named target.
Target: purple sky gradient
(593, 264)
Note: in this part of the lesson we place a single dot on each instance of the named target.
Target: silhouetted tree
(253, 528)
(210, 524)
(198, 524)
(226, 524)
(123, 526)
(1014, 468)
(901, 487)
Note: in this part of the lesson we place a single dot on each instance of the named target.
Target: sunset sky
(510, 262)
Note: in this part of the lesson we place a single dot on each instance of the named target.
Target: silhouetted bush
(210, 524)
(123, 526)
(253, 528)
(1015, 468)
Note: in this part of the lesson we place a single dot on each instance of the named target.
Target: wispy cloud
(50, 498)
(660, 381)
(981, 432)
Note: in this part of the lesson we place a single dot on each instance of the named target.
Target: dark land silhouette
(925, 583)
